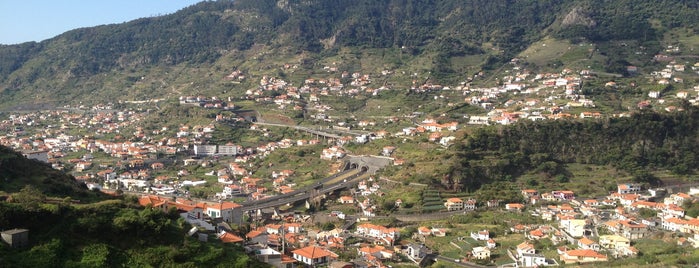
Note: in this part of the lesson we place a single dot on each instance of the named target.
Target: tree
(647, 213)
(95, 255)
(29, 197)
(691, 208)
(646, 177)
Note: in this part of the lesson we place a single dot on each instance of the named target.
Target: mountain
(183, 52)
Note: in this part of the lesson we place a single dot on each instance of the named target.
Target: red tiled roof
(585, 253)
(230, 238)
(313, 252)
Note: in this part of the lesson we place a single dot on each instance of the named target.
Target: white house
(481, 253)
(483, 235)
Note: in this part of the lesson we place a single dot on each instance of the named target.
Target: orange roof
(273, 226)
(223, 205)
(372, 250)
(227, 237)
(380, 228)
(537, 233)
(585, 253)
(586, 241)
(253, 234)
(455, 200)
(631, 224)
(287, 259)
(184, 207)
(676, 221)
(313, 252)
(683, 195)
(153, 200)
(525, 245)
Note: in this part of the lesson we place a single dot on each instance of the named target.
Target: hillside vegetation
(644, 142)
(177, 53)
(16, 172)
(112, 233)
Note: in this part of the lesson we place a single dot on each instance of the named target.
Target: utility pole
(283, 238)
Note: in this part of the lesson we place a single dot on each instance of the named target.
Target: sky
(37, 20)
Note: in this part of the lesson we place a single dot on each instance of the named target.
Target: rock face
(578, 16)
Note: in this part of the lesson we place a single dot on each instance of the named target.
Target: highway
(452, 263)
(315, 131)
(342, 180)
(342, 176)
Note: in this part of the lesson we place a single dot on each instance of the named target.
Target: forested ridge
(643, 142)
(16, 171)
(71, 226)
(112, 233)
(93, 60)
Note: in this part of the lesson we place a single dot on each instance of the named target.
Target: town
(186, 164)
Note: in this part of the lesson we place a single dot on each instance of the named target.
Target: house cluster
(45, 136)
(529, 96)
(669, 75)
(580, 221)
(206, 102)
(292, 243)
(205, 215)
(364, 189)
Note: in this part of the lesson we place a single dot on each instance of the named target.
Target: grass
(461, 227)
(545, 51)
(585, 180)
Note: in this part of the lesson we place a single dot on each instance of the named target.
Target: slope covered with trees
(107, 233)
(92, 61)
(16, 171)
(111, 233)
(643, 142)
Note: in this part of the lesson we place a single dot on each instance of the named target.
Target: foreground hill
(179, 53)
(17, 172)
(110, 233)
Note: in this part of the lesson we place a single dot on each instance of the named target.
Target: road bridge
(354, 169)
(306, 193)
(316, 132)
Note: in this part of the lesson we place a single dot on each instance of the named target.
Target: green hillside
(645, 141)
(188, 52)
(88, 233)
(17, 172)
(112, 233)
